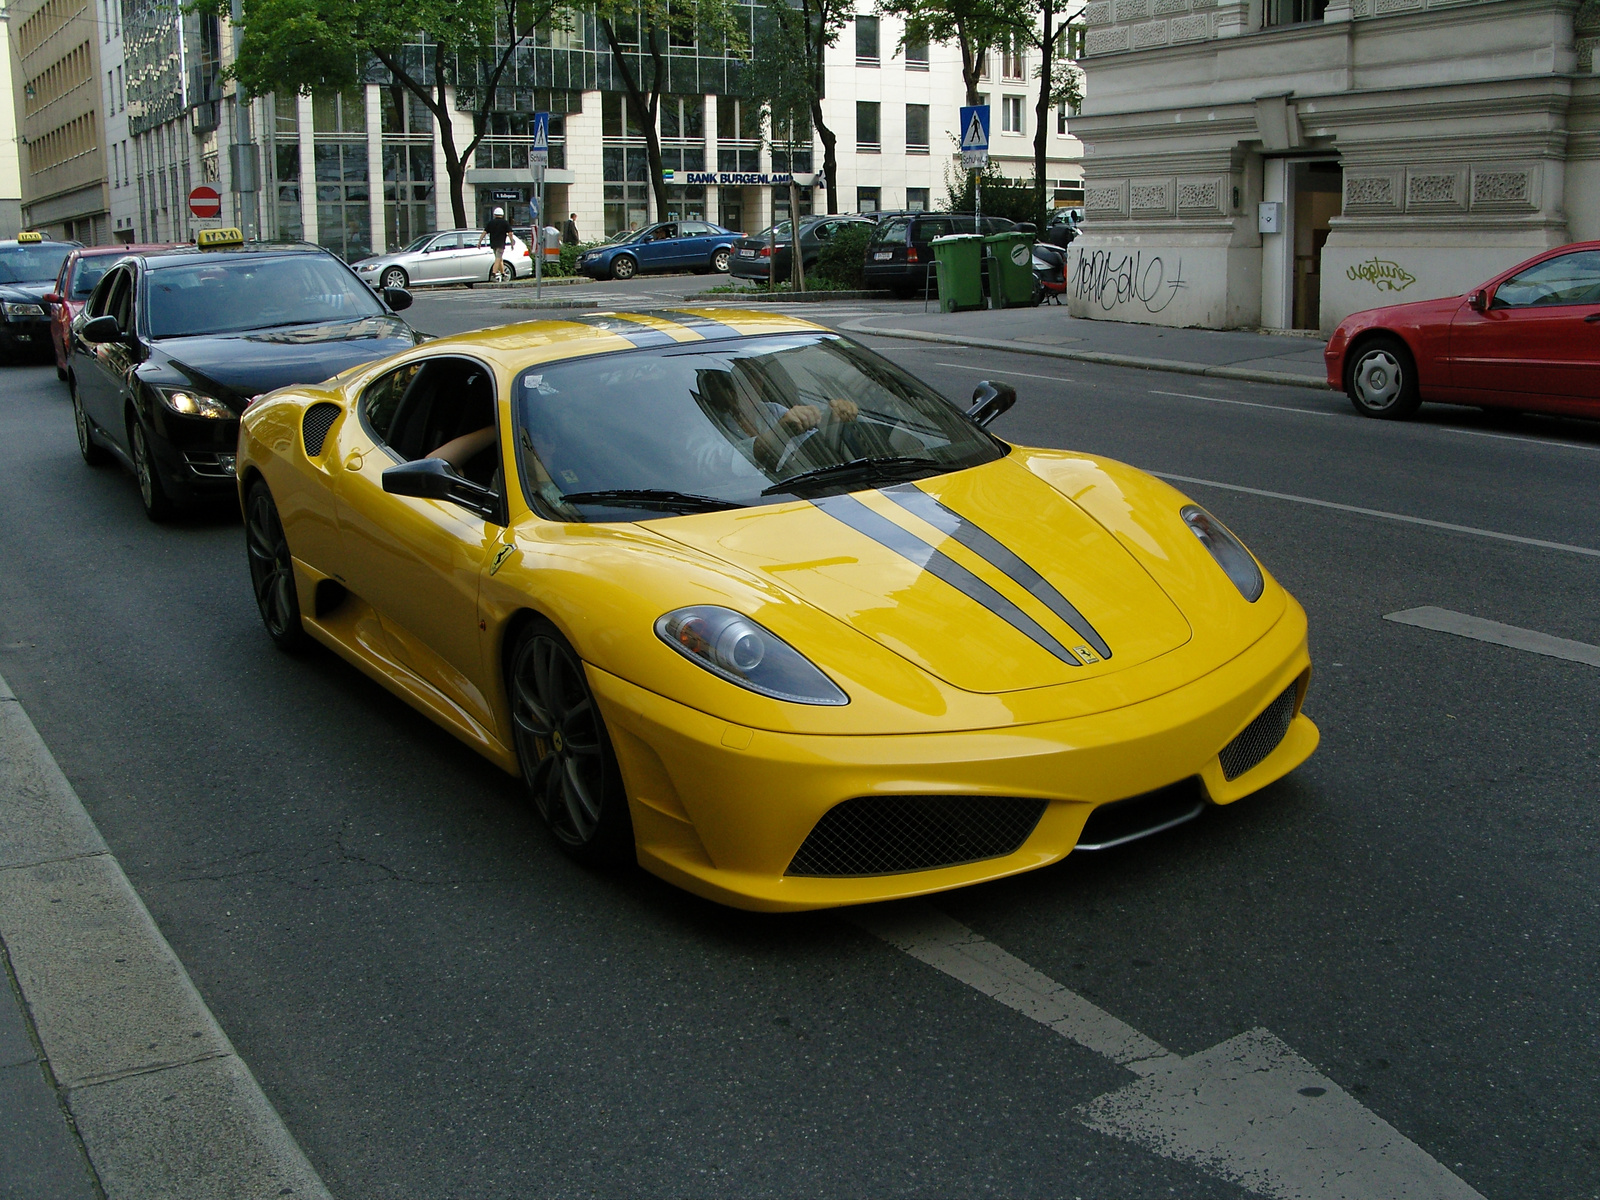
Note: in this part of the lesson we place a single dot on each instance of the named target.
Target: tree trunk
(644, 109)
(971, 58)
(1041, 126)
(797, 269)
(830, 160)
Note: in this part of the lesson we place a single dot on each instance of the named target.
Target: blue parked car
(667, 246)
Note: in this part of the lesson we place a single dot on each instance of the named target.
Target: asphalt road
(440, 1004)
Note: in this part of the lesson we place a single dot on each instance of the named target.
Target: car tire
(93, 452)
(272, 569)
(61, 373)
(1381, 379)
(394, 277)
(720, 261)
(511, 272)
(565, 754)
(623, 266)
(158, 505)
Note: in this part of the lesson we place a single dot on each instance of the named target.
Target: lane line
(1305, 412)
(1511, 437)
(1481, 629)
(994, 371)
(1382, 515)
(1249, 1110)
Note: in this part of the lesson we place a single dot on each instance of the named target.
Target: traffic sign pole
(539, 159)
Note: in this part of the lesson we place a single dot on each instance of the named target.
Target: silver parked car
(452, 256)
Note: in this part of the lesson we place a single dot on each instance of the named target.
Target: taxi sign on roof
(218, 237)
(30, 236)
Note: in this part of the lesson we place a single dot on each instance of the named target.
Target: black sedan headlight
(190, 403)
(24, 311)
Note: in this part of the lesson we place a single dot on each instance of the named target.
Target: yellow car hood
(988, 578)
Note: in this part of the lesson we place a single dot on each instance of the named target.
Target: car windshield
(256, 292)
(419, 243)
(731, 424)
(87, 273)
(32, 264)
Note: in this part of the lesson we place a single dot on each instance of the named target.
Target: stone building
(1283, 163)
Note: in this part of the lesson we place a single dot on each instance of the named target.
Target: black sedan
(28, 269)
(752, 255)
(173, 346)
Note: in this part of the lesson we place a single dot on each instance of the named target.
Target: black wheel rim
(271, 571)
(142, 467)
(82, 423)
(558, 731)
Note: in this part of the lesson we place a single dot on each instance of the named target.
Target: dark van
(900, 256)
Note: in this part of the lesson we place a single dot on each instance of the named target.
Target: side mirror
(53, 298)
(1027, 227)
(1479, 300)
(397, 298)
(989, 400)
(101, 330)
(435, 479)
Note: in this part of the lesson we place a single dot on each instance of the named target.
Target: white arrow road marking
(1444, 620)
(1249, 1110)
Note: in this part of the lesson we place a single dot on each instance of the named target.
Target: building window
(1012, 111)
(683, 117)
(916, 52)
(616, 117)
(339, 166)
(868, 200)
(866, 41)
(738, 135)
(1011, 66)
(867, 140)
(1061, 118)
(983, 65)
(916, 129)
(408, 191)
(1293, 12)
(281, 212)
(917, 199)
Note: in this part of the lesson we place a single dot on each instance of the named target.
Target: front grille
(1261, 737)
(888, 835)
(315, 424)
(1138, 817)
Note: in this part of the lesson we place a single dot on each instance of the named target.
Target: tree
(808, 28)
(786, 98)
(639, 33)
(1046, 27)
(976, 26)
(301, 45)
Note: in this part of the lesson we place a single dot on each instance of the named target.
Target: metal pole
(538, 236)
(241, 114)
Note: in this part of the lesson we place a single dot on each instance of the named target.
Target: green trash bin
(1011, 281)
(959, 261)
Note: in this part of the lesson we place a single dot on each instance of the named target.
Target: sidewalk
(1051, 332)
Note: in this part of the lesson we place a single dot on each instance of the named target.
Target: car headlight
(1228, 550)
(193, 404)
(742, 652)
(24, 310)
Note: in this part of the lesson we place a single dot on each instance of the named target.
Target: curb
(1105, 358)
(162, 1102)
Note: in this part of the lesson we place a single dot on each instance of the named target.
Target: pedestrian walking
(569, 231)
(499, 230)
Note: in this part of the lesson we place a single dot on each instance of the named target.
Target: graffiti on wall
(1108, 278)
(1382, 274)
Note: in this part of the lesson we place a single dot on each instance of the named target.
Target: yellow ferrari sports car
(743, 601)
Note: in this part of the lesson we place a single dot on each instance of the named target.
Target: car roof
(191, 254)
(124, 250)
(40, 242)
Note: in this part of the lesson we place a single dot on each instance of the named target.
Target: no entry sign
(205, 201)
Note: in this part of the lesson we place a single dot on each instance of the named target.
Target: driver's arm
(458, 452)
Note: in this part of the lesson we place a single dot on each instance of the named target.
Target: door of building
(732, 210)
(1318, 198)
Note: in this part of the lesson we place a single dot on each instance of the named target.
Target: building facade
(55, 75)
(362, 171)
(10, 145)
(1283, 163)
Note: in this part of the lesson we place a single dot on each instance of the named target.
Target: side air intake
(315, 424)
(1261, 737)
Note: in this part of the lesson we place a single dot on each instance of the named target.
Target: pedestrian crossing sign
(974, 136)
(539, 152)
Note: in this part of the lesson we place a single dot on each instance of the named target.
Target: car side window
(382, 399)
(666, 231)
(122, 301)
(927, 230)
(1565, 279)
(100, 300)
(447, 241)
(894, 232)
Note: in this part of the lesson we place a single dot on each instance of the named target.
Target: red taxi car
(1527, 339)
(79, 274)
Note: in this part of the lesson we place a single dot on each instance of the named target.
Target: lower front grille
(889, 835)
(1261, 737)
(1123, 821)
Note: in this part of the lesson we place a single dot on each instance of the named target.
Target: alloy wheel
(623, 267)
(559, 729)
(1378, 379)
(271, 569)
(93, 453)
(719, 261)
(395, 277)
(157, 505)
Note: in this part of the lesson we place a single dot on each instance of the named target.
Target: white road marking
(1305, 412)
(995, 371)
(1249, 1110)
(1382, 515)
(1511, 437)
(1481, 629)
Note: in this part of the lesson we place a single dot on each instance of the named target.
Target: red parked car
(79, 274)
(1528, 339)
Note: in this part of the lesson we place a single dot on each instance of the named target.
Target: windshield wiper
(662, 498)
(885, 467)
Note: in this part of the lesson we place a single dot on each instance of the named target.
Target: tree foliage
(975, 26)
(804, 31)
(304, 45)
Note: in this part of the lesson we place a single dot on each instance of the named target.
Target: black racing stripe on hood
(704, 326)
(640, 333)
(851, 512)
(917, 502)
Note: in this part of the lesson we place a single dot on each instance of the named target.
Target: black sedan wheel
(719, 261)
(623, 267)
(271, 569)
(93, 452)
(158, 505)
(563, 749)
(1382, 380)
(396, 277)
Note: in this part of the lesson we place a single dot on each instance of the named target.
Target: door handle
(353, 461)
(1592, 319)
